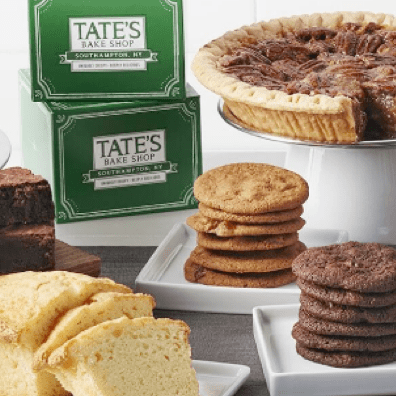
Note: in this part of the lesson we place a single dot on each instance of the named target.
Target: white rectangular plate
(163, 277)
(219, 379)
(287, 373)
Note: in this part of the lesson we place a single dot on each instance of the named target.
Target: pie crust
(316, 117)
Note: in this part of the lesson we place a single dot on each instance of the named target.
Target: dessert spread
(323, 77)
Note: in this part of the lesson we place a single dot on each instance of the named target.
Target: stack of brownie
(248, 222)
(27, 233)
(347, 315)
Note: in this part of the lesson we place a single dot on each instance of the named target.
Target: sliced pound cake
(31, 303)
(99, 308)
(121, 357)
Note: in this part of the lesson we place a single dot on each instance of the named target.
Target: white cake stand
(5, 149)
(352, 187)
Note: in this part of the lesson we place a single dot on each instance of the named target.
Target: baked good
(25, 198)
(74, 259)
(221, 228)
(97, 309)
(120, 357)
(321, 77)
(269, 217)
(31, 303)
(311, 340)
(27, 247)
(247, 226)
(320, 326)
(362, 267)
(346, 297)
(196, 273)
(346, 359)
(246, 243)
(251, 188)
(347, 316)
(253, 261)
(346, 313)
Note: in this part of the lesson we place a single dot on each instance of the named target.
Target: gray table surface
(214, 337)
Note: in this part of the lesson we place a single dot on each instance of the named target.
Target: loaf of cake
(31, 303)
(121, 357)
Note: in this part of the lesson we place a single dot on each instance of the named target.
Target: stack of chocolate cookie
(248, 222)
(347, 316)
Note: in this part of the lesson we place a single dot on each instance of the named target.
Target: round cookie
(251, 188)
(362, 267)
(341, 343)
(346, 314)
(256, 261)
(198, 274)
(201, 223)
(319, 326)
(347, 297)
(344, 359)
(246, 243)
(270, 217)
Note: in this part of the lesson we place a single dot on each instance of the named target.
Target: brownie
(27, 247)
(25, 198)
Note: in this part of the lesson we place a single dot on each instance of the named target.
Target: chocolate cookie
(201, 223)
(246, 243)
(347, 297)
(270, 217)
(345, 313)
(346, 359)
(319, 326)
(258, 261)
(342, 343)
(362, 267)
(198, 274)
(251, 188)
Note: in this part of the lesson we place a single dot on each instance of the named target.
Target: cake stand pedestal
(5, 149)
(351, 187)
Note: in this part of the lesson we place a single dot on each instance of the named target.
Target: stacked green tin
(106, 113)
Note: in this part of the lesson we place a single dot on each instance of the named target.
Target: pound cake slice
(31, 303)
(121, 357)
(98, 309)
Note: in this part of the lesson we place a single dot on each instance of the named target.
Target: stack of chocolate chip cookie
(347, 316)
(247, 225)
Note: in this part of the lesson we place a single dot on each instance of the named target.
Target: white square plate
(287, 373)
(163, 277)
(219, 379)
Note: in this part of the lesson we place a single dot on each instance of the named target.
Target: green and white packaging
(113, 159)
(108, 50)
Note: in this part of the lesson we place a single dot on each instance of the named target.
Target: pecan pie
(323, 77)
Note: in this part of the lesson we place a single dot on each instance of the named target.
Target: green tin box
(113, 159)
(108, 50)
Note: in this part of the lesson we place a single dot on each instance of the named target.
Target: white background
(204, 21)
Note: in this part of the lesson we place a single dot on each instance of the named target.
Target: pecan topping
(354, 60)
